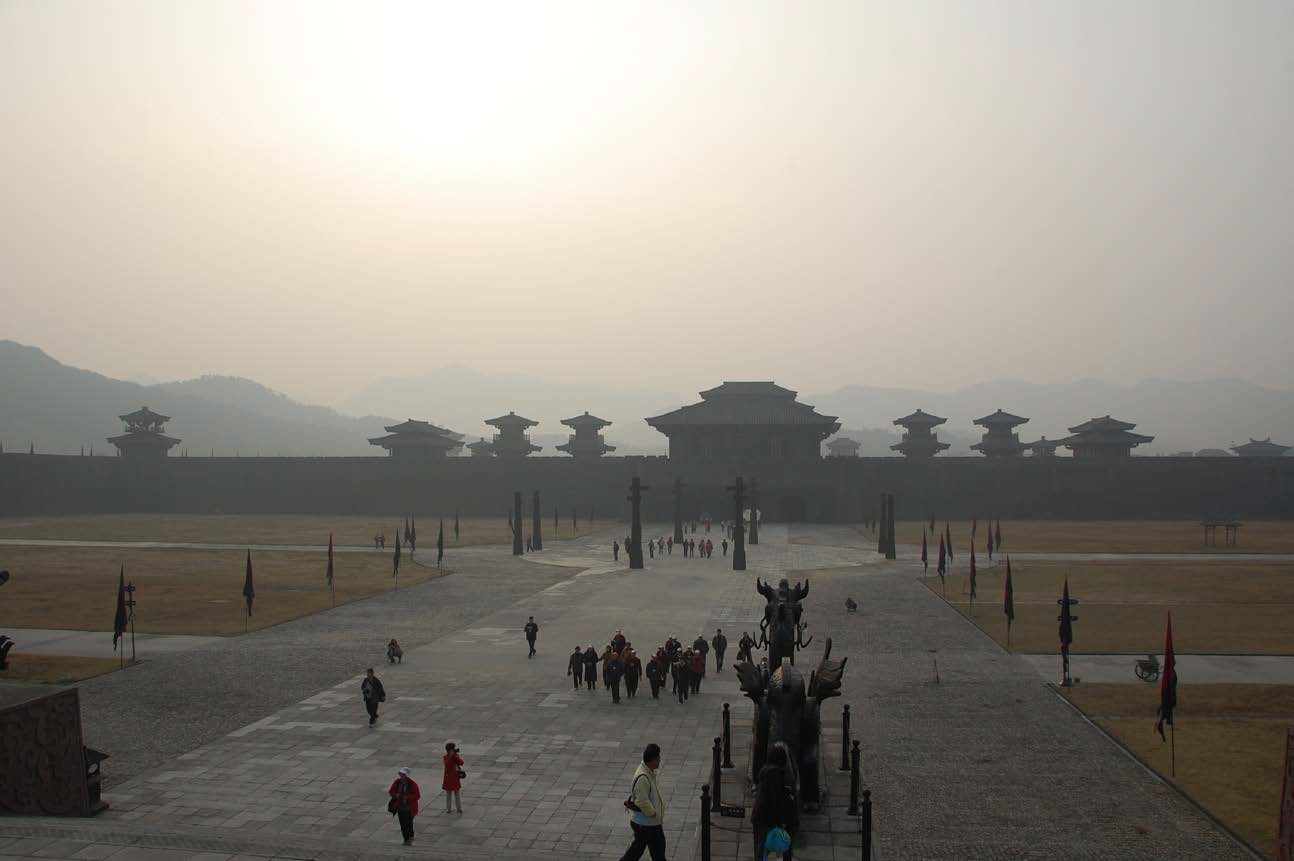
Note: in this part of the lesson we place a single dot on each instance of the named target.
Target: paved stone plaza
(259, 745)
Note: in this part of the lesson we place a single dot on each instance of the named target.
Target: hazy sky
(916, 194)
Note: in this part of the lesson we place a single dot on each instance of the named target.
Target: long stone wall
(828, 490)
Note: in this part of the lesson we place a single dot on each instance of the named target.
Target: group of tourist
(618, 662)
(665, 546)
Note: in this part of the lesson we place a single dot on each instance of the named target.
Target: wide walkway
(986, 763)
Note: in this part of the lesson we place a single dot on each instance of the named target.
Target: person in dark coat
(744, 645)
(656, 673)
(701, 646)
(615, 671)
(633, 671)
(405, 795)
(591, 668)
(720, 644)
(618, 641)
(575, 667)
(725, 547)
(683, 676)
(373, 692)
(532, 631)
(775, 803)
(615, 551)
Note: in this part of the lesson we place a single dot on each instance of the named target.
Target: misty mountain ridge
(61, 409)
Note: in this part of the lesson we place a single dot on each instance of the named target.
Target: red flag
(942, 567)
(1167, 682)
(249, 591)
(119, 623)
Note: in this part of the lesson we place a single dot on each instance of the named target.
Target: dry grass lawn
(271, 529)
(1230, 742)
(55, 669)
(1100, 536)
(1218, 607)
(187, 591)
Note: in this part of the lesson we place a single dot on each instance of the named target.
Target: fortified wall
(827, 490)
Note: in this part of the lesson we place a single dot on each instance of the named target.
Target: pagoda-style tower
(755, 422)
(511, 440)
(1043, 447)
(1260, 448)
(1103, 438)
(144, 437)
(481, 448)
(586, 441)
(919, 440)
(843, 446)
(417, 440)
(1000, 438)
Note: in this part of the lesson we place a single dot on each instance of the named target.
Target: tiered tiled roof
(1261, 448)
(746, 403)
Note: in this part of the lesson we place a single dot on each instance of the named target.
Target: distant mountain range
(61, 409)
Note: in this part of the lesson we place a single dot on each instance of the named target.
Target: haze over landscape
(651, 197)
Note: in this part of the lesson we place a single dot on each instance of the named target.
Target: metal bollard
(705, 822)
(867, 825)
(844, 740)
(855, 762)
(727, 737)
(716, 776)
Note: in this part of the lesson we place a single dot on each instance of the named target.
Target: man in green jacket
(647, 809)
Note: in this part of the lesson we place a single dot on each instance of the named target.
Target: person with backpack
(646, 808)
(454, 774)
(373, 693)
(404, 803)
(775, 813)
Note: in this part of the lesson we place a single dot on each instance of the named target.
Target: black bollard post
(727, 737)
(716, 777)
(867, 825)
(844, 739)
(705, 822)
(855, 758)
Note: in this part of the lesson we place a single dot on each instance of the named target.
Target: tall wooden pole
(636, 487)
(738, 525)
(518, 546)
(754, 511)
(536, 525)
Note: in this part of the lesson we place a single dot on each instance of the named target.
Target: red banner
(1285, 844)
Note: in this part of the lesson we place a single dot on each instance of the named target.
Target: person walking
(669, 545)
(532, 631)
(683, 677)
(656, 674)
(701, 647)
(720, 644)
(725, 547)
(744, 646)
(591, 668)
(633, 670)
(651, 549)
(618, 641)
(605, 660)
(697, 671)
(575, 667)
(404, 803)
(373, 692)
(775, 805)
(615, 551)
(709, 549)
(454, 774)
(646, 808)
(615, 672)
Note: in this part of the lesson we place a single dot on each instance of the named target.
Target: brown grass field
(1218, 607)
(56, 669)
(1230, 742)
(1097, 536)
(195, 592)
(273, 529)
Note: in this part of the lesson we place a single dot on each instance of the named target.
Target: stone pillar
(518, 546)
(739, 525)
(636, 487)
(536, 525)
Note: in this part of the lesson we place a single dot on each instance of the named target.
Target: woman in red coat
(698, 670)
(404, 803)
(453, 782)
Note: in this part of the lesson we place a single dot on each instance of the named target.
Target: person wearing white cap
(404, 802)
